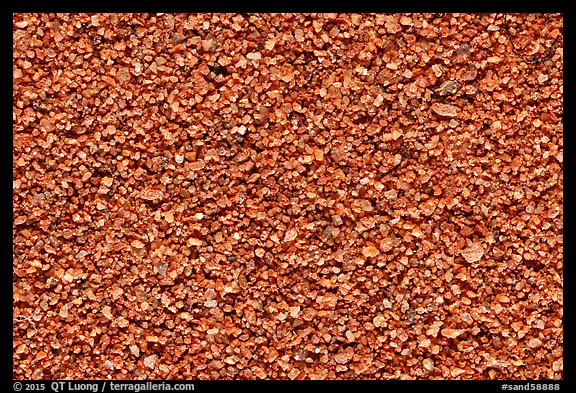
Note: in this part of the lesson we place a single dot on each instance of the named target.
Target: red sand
(287, 196)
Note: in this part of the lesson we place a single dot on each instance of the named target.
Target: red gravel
(287, 196)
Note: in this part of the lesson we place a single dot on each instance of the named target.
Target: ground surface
(287, 196)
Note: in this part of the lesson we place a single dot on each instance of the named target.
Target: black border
(568, 140)
(487, 6)
(6, 346)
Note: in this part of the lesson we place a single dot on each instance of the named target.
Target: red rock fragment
(446, 110)
(452, 333)
(473, 253)
(291, 234)
(370, 251)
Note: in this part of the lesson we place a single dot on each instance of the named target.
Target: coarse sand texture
(287, 196)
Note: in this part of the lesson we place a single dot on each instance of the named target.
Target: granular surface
(287, 196)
